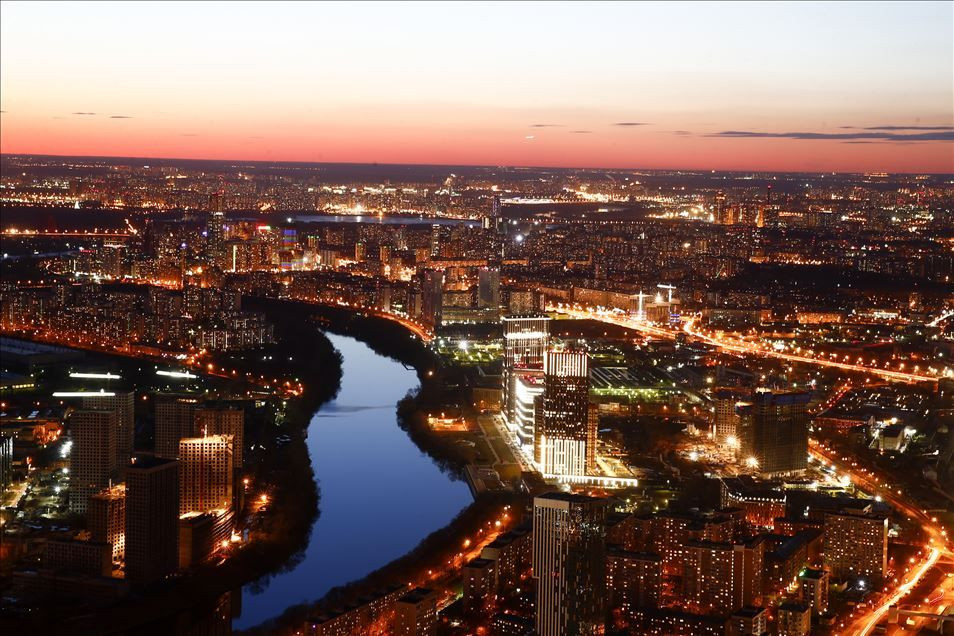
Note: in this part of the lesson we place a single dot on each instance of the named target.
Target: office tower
(93, 455)
(205, 474)
(360, 251)
(415, 613)
(175, 419)
(719, 578)
(569, 563)
(124, 404)
(211, 420)
(526, 340)
(106, 519)
(561, 424)
(488, 288)
(856, 544)
(6, 460)
(794, 619)
(813, 589)
(214, 234)
(384, 254)
(633, 579)
(773, 431)
(432, 299)
(152, 518)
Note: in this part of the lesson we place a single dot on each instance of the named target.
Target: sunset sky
(843, 87)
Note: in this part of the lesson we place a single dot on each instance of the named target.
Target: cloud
(632, 123)
(681, 132)
(881, 136)
(547, 126)
(120, 117)
(83, 113)
(581, 132)
(897, 127)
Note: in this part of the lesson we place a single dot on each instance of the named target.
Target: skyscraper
(124, 404)
(773, 431)
(488, 288)
(856, 544)
(432, 297)
(152, 518)
(93, 455)
(211, 420)
(560, 438)
(569, 563)
(526, 339)
(106, 518)
(175, 419)
(205, 473)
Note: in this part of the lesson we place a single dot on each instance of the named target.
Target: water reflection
(379, 494)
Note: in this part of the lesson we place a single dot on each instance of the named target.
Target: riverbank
(282, 534)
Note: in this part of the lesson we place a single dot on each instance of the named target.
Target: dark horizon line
(465, 165)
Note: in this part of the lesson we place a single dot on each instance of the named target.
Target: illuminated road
(937, 540)
(65, 233)
(623, 320)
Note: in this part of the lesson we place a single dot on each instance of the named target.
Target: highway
(937, 545)
(736, 346)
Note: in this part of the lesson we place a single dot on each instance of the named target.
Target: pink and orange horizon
(851, 87)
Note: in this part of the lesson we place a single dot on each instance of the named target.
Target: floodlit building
(856, 544)
(561, 431)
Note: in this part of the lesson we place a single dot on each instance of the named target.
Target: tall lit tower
(123, 403)
(560, 438)
(93, 455)
(773, 431)
(569, 563)
(526, 339)
(205, 473)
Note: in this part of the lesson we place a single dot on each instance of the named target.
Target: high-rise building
(633, 579)
(6, 460)
(773, 431)
(748, 621)
(488, 288)
(416, 613)
(560, 433)
(124, 404)
(856, 544)
(436, 240)
(205, 474)
(175, 419)
(813, 589)
(214, 232)
(719, 578)
(526, 340)
(794, 619)
(210, 420)
(93, 455)
(106, 519)
(569, 563)
(432, 299)
(152, 518)
(480, 586)
(726, 420)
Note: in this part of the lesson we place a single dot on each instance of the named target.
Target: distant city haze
(780, 87)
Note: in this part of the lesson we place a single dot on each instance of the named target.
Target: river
(380, 496)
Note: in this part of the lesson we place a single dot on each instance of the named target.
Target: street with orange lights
(735, 346)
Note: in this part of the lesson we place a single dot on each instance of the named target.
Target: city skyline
(834, 87)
